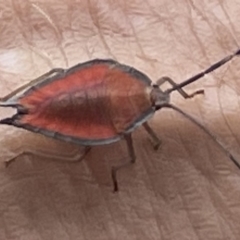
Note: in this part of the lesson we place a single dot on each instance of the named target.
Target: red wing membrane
(96, 102)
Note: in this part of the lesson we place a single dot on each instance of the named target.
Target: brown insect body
(92, 103)
(98, 102)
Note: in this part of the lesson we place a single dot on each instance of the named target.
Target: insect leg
(131, 153)
(206, 131)
(49, 74)
(162, 80)
(154, 136)
(206, 71)
(73, 157)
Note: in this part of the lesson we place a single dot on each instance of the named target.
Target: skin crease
(188, 189)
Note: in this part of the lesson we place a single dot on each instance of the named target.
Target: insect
(98, 102)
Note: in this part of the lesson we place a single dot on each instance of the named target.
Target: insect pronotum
(98, 102)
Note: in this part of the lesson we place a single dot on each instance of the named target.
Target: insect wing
(92, 103)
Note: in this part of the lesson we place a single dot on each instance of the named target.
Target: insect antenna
(216, 140)
(206, 71)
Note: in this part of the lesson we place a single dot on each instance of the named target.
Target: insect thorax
(158, 97)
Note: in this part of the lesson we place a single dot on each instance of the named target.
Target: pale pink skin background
(188, 189)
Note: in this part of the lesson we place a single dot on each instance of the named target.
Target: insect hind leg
(70, 158)
(132, 155)
(156, 140)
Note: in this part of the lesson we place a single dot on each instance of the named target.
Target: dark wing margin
(11, 100)
(80, 141)
(109, 62)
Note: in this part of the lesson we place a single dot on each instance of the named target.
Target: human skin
(188, 189)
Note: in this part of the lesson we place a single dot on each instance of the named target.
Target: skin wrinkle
(197, 225)
(201, 14)
(165, 202)
(199, 41)
(206, 145)
(51, 23)
(150, 188)
(180, 194)
(53, 207)
(169, 25)
(41, 54)
(189, 57)
(157, 221)
(230, 86)
(187, 149)
(110, 210)
(229, 20)
(187, 212)
(181, 138)
(30, 45)
(211, 25)
(220, 213)
(226, 121)
(47, 17)
(213, 199)
(135, 36)
(21, 28)
(56, 29)
(25, 36)
(97, 24)
(143, 55)
(221, 80)
(225, 29)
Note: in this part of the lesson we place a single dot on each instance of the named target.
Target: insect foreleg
(162, 80)
(206, 71)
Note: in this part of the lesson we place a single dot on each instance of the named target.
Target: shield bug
(98, 102)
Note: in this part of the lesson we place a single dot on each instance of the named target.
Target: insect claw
(114, 179)
(6, 164)
(156, 146)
